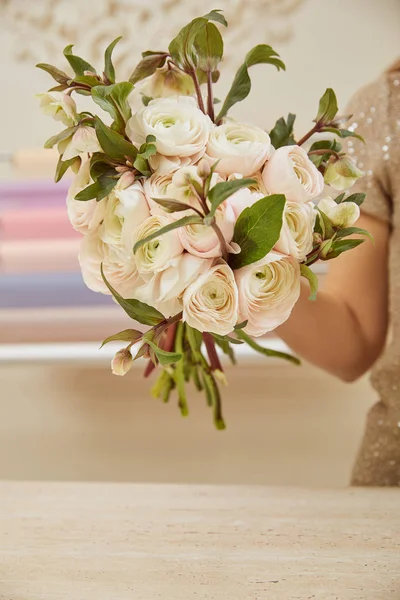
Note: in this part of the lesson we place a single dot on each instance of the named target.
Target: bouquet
(200, 226)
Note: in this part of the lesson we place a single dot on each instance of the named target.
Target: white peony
(60, 106)
(159, 253)
(290, 172)
(85, 216)
(84, 140)
(180, 127)
(342, 215)
(210, 303)
(268, 290)
(296, 238)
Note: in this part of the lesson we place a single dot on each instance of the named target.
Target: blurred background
(62, 414)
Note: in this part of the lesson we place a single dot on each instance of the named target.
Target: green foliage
(109, 69)
(127, 335)
(179, 372)
(99, 189)
(77, 63)
(221, 191)
(183, 50)
(62, 167)
(114, 100)
(60, 137)
(328, 107)
(282, 133)
(257, 230)
(266, 351)
(58, 75)
(356, 198)
(114, 144)
(136, 310)
(171, 206)
(151, 61)
(312, 280)
(341, 246)
(342, 233)
(241, 85)
(342, 133)
(226, 348)
(164, 358)
(209, 46)
(325, 225)
(90, 80)
(189, 220)
(163, 386)
(145, 151)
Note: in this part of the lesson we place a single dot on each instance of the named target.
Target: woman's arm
(344, 330)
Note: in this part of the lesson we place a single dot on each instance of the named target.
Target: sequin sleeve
(369, 110)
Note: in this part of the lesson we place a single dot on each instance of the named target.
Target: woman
(355, 323)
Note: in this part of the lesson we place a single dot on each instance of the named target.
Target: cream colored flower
(159, 253)
(239, 148)
(342, 174)
(290, 172)
(268, 290)
(210, 303)
(60, 106)
(85, 216)
(168, 82)
(341, 215)
(296, 237)
(157, 186)
(122, 362)
(84, 140)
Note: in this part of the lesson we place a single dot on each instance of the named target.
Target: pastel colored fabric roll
(34, 256)
(36, 223)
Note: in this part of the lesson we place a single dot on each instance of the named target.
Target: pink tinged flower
(159, 253)
(157, 186)
(296, 238)
(85, 216)
(239, 148)
(122, 362)
(84, 140)
(290, 172)
(210, 303)
(268, 290)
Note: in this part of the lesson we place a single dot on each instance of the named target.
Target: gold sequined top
(376, 116)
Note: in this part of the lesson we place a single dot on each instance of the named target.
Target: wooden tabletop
(141, 542)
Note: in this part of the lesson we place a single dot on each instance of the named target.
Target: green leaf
(136, 310)
(60, 137)
(342, 233)
(142, 166)
(241, 325)
(190, 220)
(328, 107)
(325, 224)
(339, 199)
(114, 100)
(164, 357)
(222, 191)
(282, 133)
(148, 66)
(209, 47)
(146, 99)
(109, 70)
(62, 168)
(257, 230)
(343, 133)
(227, 338)
(312, 280)
(78, 64)
(89, 80)
(182, 48)
(56, 74)
(99, 189)
(99, 166)
(163, 386)
(356, 198)
(114, 144)
(172, 206)
(341, 246)
(266, 351)
(241, 85)
(127, 335)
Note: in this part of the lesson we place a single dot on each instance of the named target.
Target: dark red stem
(215, 363)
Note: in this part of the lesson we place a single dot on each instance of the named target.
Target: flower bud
(126, 180)
(342, 174)
(168, 81)
(122, 362)
(203, 169)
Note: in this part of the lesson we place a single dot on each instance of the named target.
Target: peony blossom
(210, 303)
(342, 174)
(126, 209)
(84, 140)
(119, 268)
(239, 148)
(342, 215)
(296, 237)
(202, 241)
(165, 289)
(60, 106)
(122, 362)
(268, 290)
(290, 172)
(180, 127)
(159, 253)
(85, 216)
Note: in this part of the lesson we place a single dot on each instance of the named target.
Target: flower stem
(215, 363)
(222, 242)
(193, 75)
(210, 97)
(307, 136)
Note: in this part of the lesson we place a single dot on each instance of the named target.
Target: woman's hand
(344, 330)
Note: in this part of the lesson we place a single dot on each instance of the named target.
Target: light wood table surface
(141, 542)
